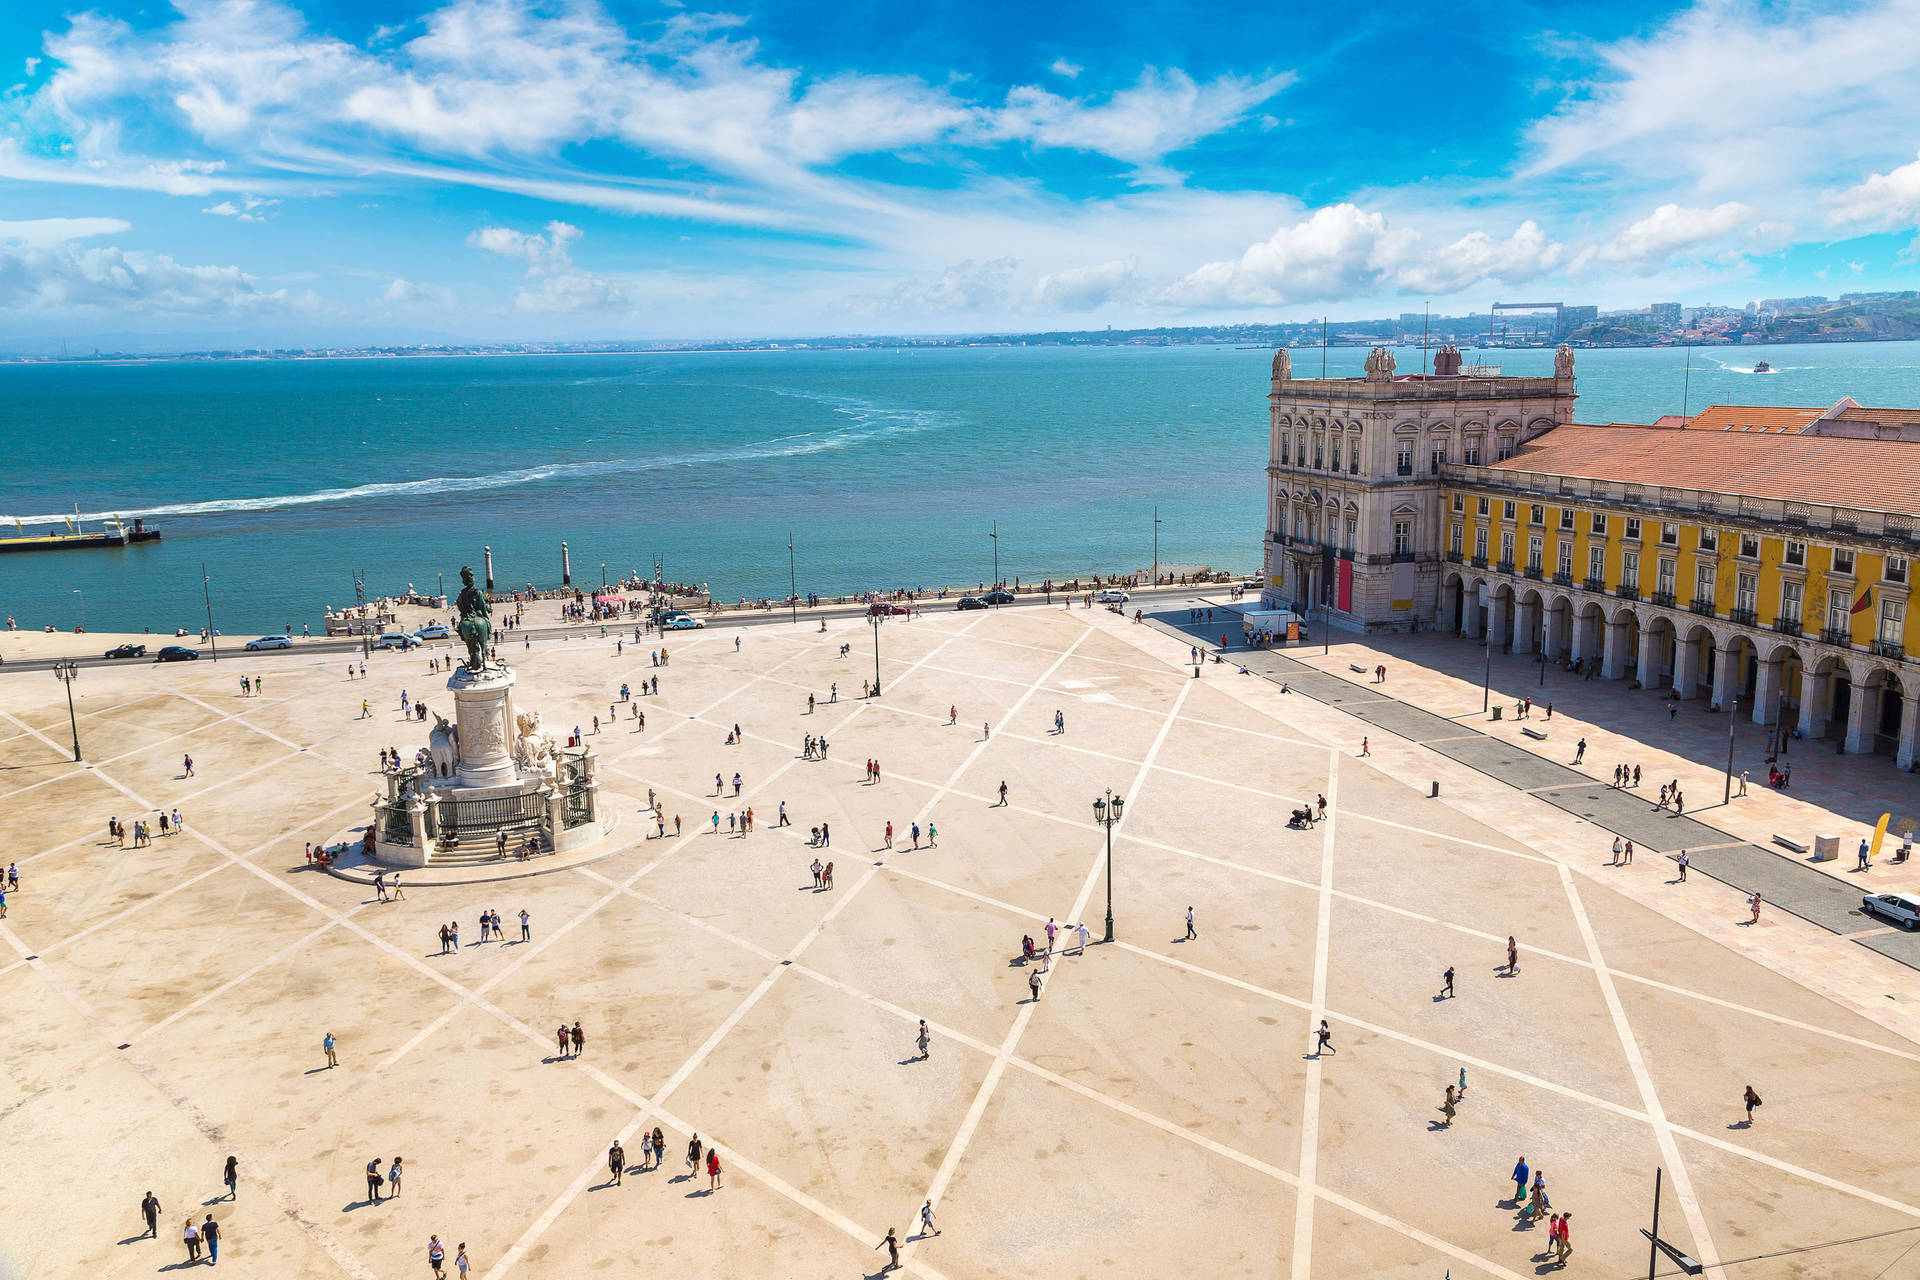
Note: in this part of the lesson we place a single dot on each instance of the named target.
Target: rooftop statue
(1282, 365)
(475, 625)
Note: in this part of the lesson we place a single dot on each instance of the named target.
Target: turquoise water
(886, 467)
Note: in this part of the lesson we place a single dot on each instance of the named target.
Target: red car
(885, 609)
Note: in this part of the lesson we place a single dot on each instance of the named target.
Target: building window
(1538, 514)
(1506, 447)
(1453, 540)
(1566, 558)
(1790, 601)
(1893, 621)
(1703, 584)
(1597, 564)
(1506, 547)
(1480, 505)
(1842, 560)
(1286, 454)
(1670, 535)
(1896, 569)
(1506, 511)
(1839, 610)
(1746, 592)
(1473, 453)
(1630, 569)
(1750, 545)
(1667, 571)
(1353, 457)
(1709, 540)
(1633, 529)
(1598, 525)
(1438, 457)
(1403, 537)
(1459, 503)
(1796, 553)
(1536, 549)
(1403, 458)
(1319, 452)
(1299, 522)
(1480, 543)
(1566, 517)
(1352, 525)
(1300, 449)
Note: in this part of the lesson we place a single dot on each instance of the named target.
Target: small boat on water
(1763, 367)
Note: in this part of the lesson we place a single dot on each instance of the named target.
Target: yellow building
(1763, 557)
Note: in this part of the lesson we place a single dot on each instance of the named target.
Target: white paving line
(1310, 1097)
(1704, 1248)
(976, 1111)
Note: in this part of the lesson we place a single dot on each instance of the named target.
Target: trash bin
(1496, 713)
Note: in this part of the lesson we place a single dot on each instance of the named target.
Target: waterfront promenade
(1159, 1108)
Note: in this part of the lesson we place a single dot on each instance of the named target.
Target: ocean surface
(886, 468)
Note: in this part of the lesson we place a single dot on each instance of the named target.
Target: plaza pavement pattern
(1159, 1110)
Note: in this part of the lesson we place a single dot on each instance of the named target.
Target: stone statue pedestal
(483, 709)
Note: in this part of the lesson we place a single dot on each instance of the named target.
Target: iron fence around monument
(578, 810)
(395, 825)
(480, 818)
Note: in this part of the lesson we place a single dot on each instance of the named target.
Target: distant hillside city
(1852, 317)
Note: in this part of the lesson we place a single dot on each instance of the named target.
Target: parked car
(884, 610)
(433, 631)
(395, 640)
(128, 651)
(683, 622)
(271, 642)
(1902, 909)
(176, 653)
(971, 602)
(1112, 595)
(998, 597)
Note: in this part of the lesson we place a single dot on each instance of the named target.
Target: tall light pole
(68, 672)
(995, 535)
(1156, 546)
(876, 619)
(1733, 718)
(206, 593)
(793, 583)
(1106, 813)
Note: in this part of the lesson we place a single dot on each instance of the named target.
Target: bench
(1535, 734)
(1354, 666)
(1787, 842)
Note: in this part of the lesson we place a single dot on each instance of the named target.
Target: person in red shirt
(713, 1169)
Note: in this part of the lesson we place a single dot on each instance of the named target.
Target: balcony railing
(1890, 648)
(1505, 566)
(1836, 635)
(1595, 584)
(1702, 605)
(1663, 598)
(1479, 562)
(1745, 617)
(1787, 626)
(1534, 571)
(1627, 591)
(1563, 578)
(1455, 557)
(1403, 469)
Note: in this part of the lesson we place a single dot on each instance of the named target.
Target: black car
(971, 602)
(998, 597)
(128, 651)
(176, 653)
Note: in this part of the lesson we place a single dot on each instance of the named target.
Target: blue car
(682, 623)
(433, 632)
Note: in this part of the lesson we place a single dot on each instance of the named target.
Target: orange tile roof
(1891, 417)
(1753, 418)
(1874, 475)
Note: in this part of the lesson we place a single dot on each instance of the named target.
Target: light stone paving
(1157, 1111)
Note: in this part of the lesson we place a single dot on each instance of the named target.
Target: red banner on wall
(1346, 586)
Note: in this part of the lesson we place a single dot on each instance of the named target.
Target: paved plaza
(1159, 1109)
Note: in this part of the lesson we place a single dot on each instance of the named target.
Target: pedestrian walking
(1579, 750)
(1566, 1238)
(1513, 956)
(393, 1178)
(460, 1263)
(1003, 795)
(1324, 1038)
(562, 1041)
(1753, 904)
(1521, 1174)
(1191, 935)
(1033, 985)
(1080, 934)
(1752, 1100)
(326, 1047)
(1627, 856)
(188, 762)
(926, 1221)
(1743, 783)
(1863, 863)
(1616, 852)
(713, 1168)
(437, 1257)
(231, 1176)
(693, 1153)
(579, 1040)
(892, 1245)
(150, 1210)
(617, 1162)
(922, 1040)
(1463, 1084)
(1446, 988)
(1366, 748)
(1447, 1109)
(191, 1235)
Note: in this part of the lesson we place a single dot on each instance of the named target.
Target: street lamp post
(1107, 812)
(995, 535)
(1733, 718)
(793, 583)
(876, 619)
(206, 594)
(68, 672)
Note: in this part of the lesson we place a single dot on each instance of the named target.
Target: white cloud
(540, 252)
(62, 278)
(1086, 288)
(1165, 112)
(1059, 67)
(1476, 256)
(39, 233)
(554, 284)
(403, 293)
(1670, 230)
(244, 211)
(1888, 200)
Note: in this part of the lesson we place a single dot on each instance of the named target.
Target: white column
(1613, 661)
(1651, 644)
(1556, 623)
(1813, 703)
(1582, 637)
(1909, 730)
(1726, 677)
(1497, 619)
(1523, 627)
(1862, 715)
(1766, 691)
(1686, 669)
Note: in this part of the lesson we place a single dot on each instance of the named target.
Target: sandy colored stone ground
(1157, 1111)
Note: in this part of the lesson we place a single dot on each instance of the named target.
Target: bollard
(1435, 794)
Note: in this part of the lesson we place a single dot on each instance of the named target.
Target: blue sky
(268, 171)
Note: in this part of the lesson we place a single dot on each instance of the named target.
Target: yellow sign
(1879, 834)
